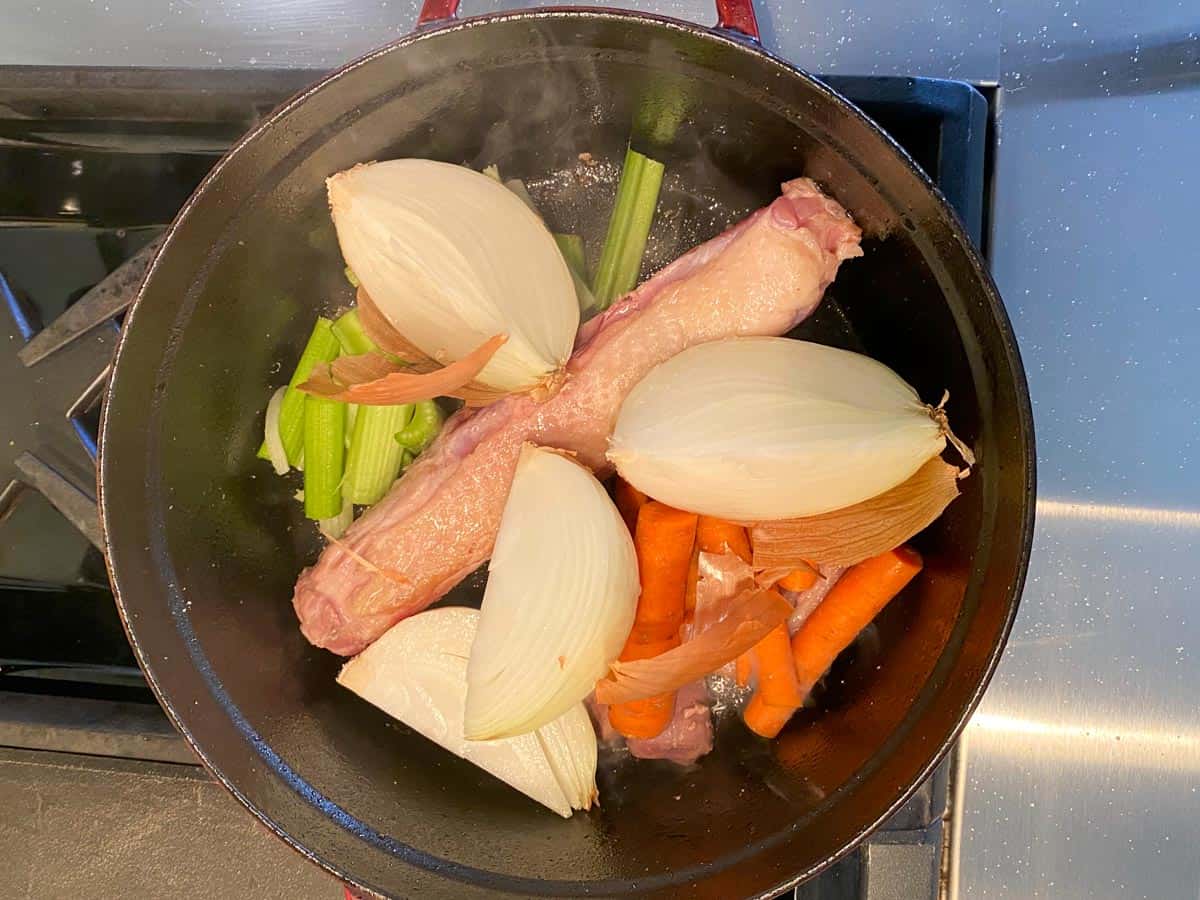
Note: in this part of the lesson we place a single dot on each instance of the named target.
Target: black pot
(204, 543)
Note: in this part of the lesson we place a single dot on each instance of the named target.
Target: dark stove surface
(93, 165)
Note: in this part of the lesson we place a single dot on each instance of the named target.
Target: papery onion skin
(852, 534)
(755, 429)
(451, 257)
(753, 614)
(560, 600)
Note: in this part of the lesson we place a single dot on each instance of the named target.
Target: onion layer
(271, 438)
(560, 600)
(417, 672)
(452, 258)
(754, 429)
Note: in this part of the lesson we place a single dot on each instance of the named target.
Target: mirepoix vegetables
(350, 334)
(751, 615)
(570, 245)
(629, 501)
(664, 540)
(785, 678)
(376, 442)
(422, 428)
(628, 228)
(547, 631)
(849, 535)
(324, 456)
(452, 258)
(778, 693)
(322, 347)
(801, 429)
(417, 672)
(374, 460)
(719, 536)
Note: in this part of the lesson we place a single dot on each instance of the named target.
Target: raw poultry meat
(438, 523)
(688, 736)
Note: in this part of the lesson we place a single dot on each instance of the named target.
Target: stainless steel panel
(1083, 764)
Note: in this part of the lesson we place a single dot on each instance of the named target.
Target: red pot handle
(738, 16)
(732, 15)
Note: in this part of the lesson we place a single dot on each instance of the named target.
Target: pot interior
(205, 542)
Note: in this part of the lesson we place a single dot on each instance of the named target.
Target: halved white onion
(452, 258)
(417, 673)
(560, 600)
(755, 429)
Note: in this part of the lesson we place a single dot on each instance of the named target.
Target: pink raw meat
(688, 736)
(439, 522)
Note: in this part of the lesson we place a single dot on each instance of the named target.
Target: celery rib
(351, 336)
(324, 456)
(571, 248)
(424, 427)
(629, 228)
(375, 459)
(322, 347)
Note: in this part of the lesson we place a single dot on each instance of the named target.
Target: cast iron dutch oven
(204, 542)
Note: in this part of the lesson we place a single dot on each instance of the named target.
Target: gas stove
(94, 163)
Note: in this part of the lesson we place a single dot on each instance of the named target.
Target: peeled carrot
(862, 591)
(798, 579)
(778, 693)
(629, 501)
(644, 718)
(719, 536)
(778, 683)
(663, 539)
(765, 719)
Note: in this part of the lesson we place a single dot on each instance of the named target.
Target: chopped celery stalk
(420, 432)
(628, 229)
(350, 334)
(337, 526)
(351, 277)
(517, 186)
(324, 454)
(571, 248)
(351, 417)
(583, 294)
(322, 347)
(375, 459)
